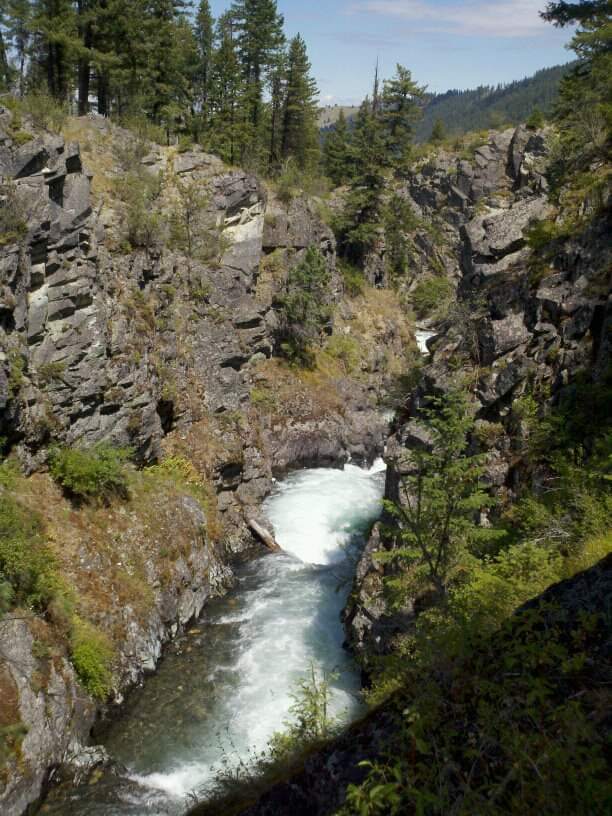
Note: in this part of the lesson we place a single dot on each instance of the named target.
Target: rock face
(161, 351)
(522, 322)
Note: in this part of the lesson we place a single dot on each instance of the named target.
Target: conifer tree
(56, 43)
(204, 38)
(401, 109)
(226, 92)
(300, 137)
(438, 133)
(364, 208)
(278, 83)
(260, 38)
(18, 25)
(337, 154)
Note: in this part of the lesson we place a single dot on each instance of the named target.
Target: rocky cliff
(526, 322)
(149, 322)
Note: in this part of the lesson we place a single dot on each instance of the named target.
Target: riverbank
(224, 688)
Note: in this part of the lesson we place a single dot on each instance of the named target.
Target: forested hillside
(235, 85)
(492, 105)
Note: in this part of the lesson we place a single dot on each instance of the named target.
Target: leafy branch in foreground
(440, 499)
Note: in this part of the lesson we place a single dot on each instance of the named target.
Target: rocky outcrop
(523, 322)
(163, 350)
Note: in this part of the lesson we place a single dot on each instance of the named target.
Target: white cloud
(504, 18)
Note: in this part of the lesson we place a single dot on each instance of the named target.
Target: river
(225, 687)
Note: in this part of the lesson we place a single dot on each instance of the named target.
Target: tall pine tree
(300, 137)
(337, 152)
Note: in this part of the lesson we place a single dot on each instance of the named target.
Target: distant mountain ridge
(477, 109)
(492, 106)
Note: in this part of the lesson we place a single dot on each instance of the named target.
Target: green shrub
(304, 308)
(94, 473)
(27, 574)
(139, 191)
(45, 111)
(353, 278)
(13, 226)
(346, 349)
(92, 656)
(432, 296)
(535, 120)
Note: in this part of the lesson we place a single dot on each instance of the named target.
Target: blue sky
(445, 43)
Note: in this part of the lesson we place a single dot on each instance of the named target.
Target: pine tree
(227, 92)
(401, 109)
(55, 45)
(18, 23)
(278, 85)
(362, 220)
(202, 79)
(438, 133)
(584, 109)
(260, 39)
(337, 154)
(440, 497)
(300, 138)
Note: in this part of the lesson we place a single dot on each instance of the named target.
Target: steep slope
(138, 309)
(522, 324)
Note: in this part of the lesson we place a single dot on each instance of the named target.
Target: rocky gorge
(170, 355)
(173, 353)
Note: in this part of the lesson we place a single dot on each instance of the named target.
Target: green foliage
(187, 224)
(400, 111)
(299, 136)
(337, 153)
(13, 226)
(310, 723)
(96, 473)
(45, 111)
(345, 348)
(399, 221)
(463, 111)
(139, 191)
(352, 277)
(535, 120)
(432, 296)
(292, 182)
(304, 309)
(439, 499)
(584, 109)
(26, 567)
(92, 655)
(16, 372)
(509, 725)
(438, 132)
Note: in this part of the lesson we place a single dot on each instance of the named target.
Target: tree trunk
(85, 71)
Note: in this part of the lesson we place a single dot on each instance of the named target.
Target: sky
(445, 43)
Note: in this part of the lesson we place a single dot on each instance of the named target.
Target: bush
(94, 473)
(304, 309)
(26, 567)
(346, 349)
(13, 226)
(432, 296)
(353, 278)
(139, 192)
(92, 656)
(45, 111)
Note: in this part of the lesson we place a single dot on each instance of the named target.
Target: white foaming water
(229, 690)
(316, 512)
(422, 337)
